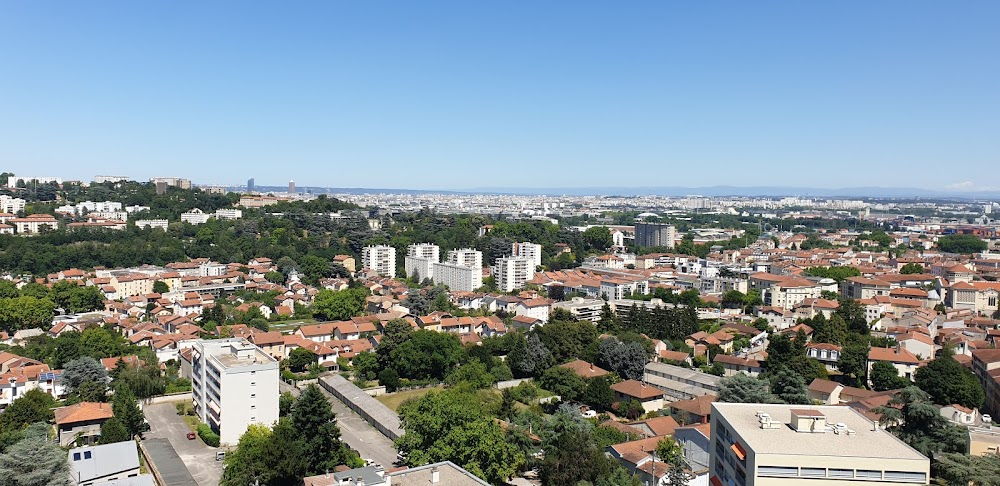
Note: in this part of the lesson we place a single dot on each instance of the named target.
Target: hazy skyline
(459, 95)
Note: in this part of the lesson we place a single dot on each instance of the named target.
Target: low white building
(152, 223)
(195, 216)
(228, 213)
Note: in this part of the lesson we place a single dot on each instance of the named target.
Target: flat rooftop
(866, 442)
(237, 352)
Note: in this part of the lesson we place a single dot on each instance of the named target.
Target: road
(199, 458)
(356, 432)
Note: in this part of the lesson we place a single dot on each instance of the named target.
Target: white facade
(195, 216)
(424, 250)
(467, 257)
(102, 179)
(152, 223)
(12, 180)
(381, 259)
(512, 272)
(11, 205)
(234, 384)
(528, 250)
(228, 213)
(420, 259)
(91, 206)
(458, 278)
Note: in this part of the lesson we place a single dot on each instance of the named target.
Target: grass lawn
(394, 400)
(192, 422)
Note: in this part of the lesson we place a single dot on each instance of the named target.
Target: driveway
(199, 458)
(356, 432)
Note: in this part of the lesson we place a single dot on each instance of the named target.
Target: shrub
(210, 438)
(181, 407)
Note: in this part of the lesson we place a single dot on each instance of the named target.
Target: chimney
(435, 475)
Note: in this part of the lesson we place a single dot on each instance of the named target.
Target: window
(841, 473)
(253, 372)
(253, 407)
(76, 456)
(777, 471)
(813, 472)
(253, 418)
(86, 455)
(866, 474)
(253, 383)
(906, 476)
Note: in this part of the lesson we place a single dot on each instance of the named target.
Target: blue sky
(459, 94)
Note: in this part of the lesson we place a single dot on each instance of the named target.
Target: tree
(35, 461)
(597, 238)
(679, 474)
(833, 331)
(563, 382)
(25, 312)
(573, 458)
(631, 409)
(529, 356)
(912, 269)
(431, 418)
(854, 315)
(267, 457)
(301, 358)
(34, 406)
(667, 449)
(598, 393)
(836, 273)
(789, 387)
(82, 370)
(365, 366)
(427, 354)
(396, 332)
(948, 382)
(114, 430)
(92, 391)
(958, 243)
(566, 340)
(884, 376)
(743, 388)
(389, 378)
(126, 408)
(627, 359)
(160, 287)
(733, 299)
(286, 402)
(482, 448)
(854, 361)
(609, 321)
(915, 420)
(313, 419)
(960, 468)
(339, 305)
(474, 373)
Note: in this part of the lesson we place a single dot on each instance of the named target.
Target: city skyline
(561, 95)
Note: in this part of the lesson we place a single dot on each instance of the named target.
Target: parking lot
(199, 458)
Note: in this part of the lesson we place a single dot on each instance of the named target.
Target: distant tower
(250, 185)
(291, 187)
(161, 188)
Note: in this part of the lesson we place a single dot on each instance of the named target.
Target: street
(199, 458)
(356, 432)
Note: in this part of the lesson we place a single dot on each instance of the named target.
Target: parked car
(191, 435)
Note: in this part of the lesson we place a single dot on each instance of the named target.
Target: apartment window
(867, 474)
(777, 471)
(253, 383)
(76, 456)
(841, 473)
(86, 455)
(813, 472)
(906, 476)
(253, 395)
(253, 372)
(253, 407)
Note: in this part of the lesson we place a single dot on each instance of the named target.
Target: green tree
(126, 408)
(430, 418)
(884, 376)
(286, 402)
(35, 461)
(598, 393)
(34, 406)
(667, 449)
(631, 409)
(92, 391)
(482, 448)
(961, 468)
(25, 312)
(301, 358)
(597, 238)
(573, 457)
(948, 382)
(339, 305)
(427, 354)
(854, 315)
(313, 419)
(566, 340)
(114, 430)
(389, 378)
(366, 366)
(789, 387)
(853, 361)
(958, 243)
(563, 382)
(912, 268)
(396, 332)
(915, 420)
(679, 473)
(82, 370)
(160, 287)
(837, 273)
(529, 356)
(474, 373)
(743, 388)
(627, 359)
(267, 457)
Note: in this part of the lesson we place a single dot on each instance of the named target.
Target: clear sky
(461, 94)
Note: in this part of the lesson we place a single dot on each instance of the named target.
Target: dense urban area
(166, 333)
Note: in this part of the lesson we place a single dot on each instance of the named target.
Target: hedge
(206, 434)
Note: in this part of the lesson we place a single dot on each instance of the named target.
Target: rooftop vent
(766, 422)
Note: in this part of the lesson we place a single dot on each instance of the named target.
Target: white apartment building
(420, 260)
(228, 213)
(11, 205)
(467, 257)
(136, 209)
(512, 272)
(234, 384)
(380, 258)
(91, 206)
(12, 181)
(172, 181)
(757, 444)
(34, 223)
(195, 216)
(528, 250)
(458, 278)
(103, 179)
(152, 223)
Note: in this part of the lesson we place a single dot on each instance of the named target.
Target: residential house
(81, 423)
(104, 463)
(649, 396)
(905, 362)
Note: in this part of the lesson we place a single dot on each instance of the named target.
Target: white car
(589, 414)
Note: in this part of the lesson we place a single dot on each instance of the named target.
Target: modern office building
(250, 185)
(420, 260)
(655, 234)
(380, 258)
(528, 250)
(512, 272)
(757, 444)
(233, 384)
(291, 187)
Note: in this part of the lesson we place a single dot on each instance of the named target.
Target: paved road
(356, 432)
(199, 458)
